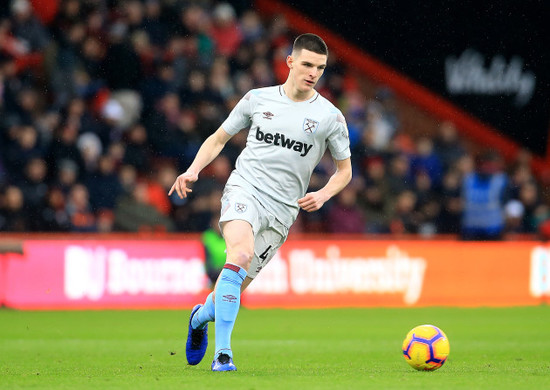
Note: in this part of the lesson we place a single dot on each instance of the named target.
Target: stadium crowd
(96, 127)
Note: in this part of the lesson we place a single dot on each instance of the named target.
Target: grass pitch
(497, 348)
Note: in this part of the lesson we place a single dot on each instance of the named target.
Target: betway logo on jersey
(279, 139)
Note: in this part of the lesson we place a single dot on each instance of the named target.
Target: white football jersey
(285, 143)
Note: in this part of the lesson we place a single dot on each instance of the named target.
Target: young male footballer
(290, 128)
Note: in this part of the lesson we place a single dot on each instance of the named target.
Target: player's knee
(242, 257)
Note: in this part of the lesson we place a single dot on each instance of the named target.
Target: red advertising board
(403, 273)
(105, 274)
(126, 273)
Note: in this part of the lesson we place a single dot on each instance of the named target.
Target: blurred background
(103, 103)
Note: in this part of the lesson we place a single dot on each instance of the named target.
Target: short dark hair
(310, 42)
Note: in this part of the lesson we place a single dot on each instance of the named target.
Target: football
(426, 348)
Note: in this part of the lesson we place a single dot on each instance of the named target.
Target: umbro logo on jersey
(279, 139)
(268, 115)
(230, 298)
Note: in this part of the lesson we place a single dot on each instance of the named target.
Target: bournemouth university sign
(81, 274)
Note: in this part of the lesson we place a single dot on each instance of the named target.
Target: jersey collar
(310, 100)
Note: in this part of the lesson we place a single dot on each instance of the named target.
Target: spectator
(158, 197)
(225, 30)
(513, 215)
(365, 152)
(529, 199)
(426, 161)
(92, 55)
(198, 214)
(33, 186)
(64, 71)
(137, 148)
(3, 173)
(10, 85)
(185, 139)
(251, 26)
(53, 216)
(24, 147)
(122, 67)
(165, 177)
(404, 218)
(29, 105)
(198, 41)
(386, 97)
(156, 85)
(449, 218)
(375, 207)
(104, 185)
(485, 193)
(79, 210)
(381, 129)
(429, 211)
(520, 175)
(70, 12)
(77, 112)
(219, 81)
(10, 45)
(127, 177)
(105, 221)
(345, 216)
(133, 13)
(90, 149)
(423, 187)
(152, 23)
(399, 178)
(542, 218)
(134, 213)
(66, 176)
(375, 174)
(161, 122)
(64, 148)
(13, 215)
(27, 27)
(447, 145)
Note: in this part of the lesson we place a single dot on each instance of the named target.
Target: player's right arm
(238, 119)
(208, 151)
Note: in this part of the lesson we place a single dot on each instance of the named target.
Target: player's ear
(289, 61)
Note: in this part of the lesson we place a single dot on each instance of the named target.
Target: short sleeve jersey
(285, 143)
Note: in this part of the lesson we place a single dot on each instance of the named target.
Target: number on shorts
(263, 256)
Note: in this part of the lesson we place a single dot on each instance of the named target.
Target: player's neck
(298, 96)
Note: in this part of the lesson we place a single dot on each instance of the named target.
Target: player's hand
(313, 201)
(182, 184)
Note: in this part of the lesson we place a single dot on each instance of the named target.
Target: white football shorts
(269, 232)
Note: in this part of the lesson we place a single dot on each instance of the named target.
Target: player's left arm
(313, 201)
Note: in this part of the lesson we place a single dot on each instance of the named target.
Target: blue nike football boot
(223, 363)
(197, 341)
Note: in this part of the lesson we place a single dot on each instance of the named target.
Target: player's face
(306, 68)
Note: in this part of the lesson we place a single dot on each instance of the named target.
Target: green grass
(501, 348)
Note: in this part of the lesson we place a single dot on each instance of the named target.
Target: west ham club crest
(240, 207)
(310, 126)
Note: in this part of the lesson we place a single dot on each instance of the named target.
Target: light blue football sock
(228, 300)
(205, 314)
